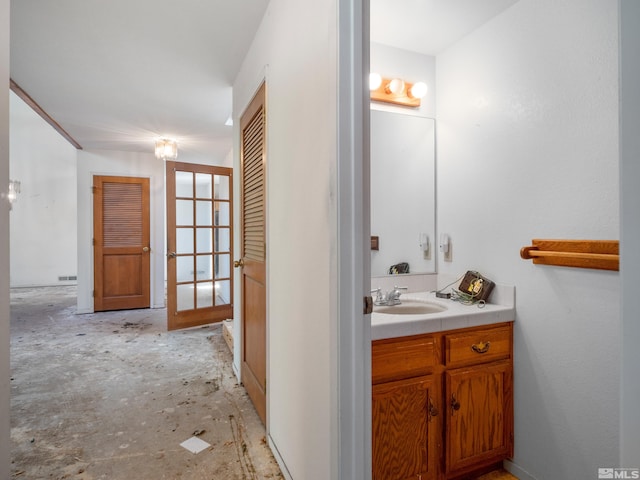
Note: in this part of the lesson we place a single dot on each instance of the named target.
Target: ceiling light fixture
(396, 91)
(166, 149)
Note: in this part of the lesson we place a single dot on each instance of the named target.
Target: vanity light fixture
(166, 149)
(396, 90)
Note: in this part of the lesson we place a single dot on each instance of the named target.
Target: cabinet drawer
(478, 346)
(395, 359)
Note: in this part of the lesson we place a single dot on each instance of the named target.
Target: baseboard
(279, 460)
(517, 471)
(508, 465)
(236, 371)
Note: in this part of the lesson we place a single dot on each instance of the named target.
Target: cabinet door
(479, 415)
(405, 425)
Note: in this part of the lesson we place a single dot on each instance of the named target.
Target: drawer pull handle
(482, 347)
(433, 411)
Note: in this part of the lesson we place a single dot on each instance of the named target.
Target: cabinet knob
(455, 404)
(433, 411)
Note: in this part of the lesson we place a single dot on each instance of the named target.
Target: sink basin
(410, 308)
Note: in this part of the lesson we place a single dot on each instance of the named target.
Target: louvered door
(121, 243)
(252, 263)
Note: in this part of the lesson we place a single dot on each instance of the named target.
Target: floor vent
(68, 278)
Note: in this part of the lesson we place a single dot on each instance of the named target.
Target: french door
(199, 244)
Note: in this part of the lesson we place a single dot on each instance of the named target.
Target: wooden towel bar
(598, 254)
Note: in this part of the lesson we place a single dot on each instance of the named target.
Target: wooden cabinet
(402, 417)
(442, 403)
(478, 425)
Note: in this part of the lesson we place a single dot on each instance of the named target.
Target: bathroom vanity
(442, 390)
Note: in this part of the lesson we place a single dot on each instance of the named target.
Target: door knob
(145, 249)
(238, 263)
(171, 254)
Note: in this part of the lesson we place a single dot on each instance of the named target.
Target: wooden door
(199, 247)
(253, 253)
(121, 243)
(479, 415)
(405, 429)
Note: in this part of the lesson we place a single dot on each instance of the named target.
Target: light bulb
(395, 86)
(375, 80)
(418, 90)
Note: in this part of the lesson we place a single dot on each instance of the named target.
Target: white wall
(297, 40)
(630, 235)
(528, 148)
(108, 162)
(43, 219)
(187, 156)
(4, 242)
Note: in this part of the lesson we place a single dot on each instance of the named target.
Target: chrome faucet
(380, 297)
(390, 298)
(393, 297)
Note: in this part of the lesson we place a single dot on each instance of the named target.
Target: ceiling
(118, 74)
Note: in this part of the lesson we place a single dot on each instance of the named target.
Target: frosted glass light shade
(375, 80)
(166, 149)
(418, 90)
(395, 86)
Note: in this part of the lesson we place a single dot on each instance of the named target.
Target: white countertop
(501, 309)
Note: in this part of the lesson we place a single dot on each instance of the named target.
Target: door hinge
(94, 189)
(93, 293)
(368, 305)
(93, 241)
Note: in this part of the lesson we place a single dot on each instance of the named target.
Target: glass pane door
(201, 235)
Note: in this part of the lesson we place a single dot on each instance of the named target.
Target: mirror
(402, 191)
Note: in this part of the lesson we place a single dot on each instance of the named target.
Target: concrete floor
(112, 395)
